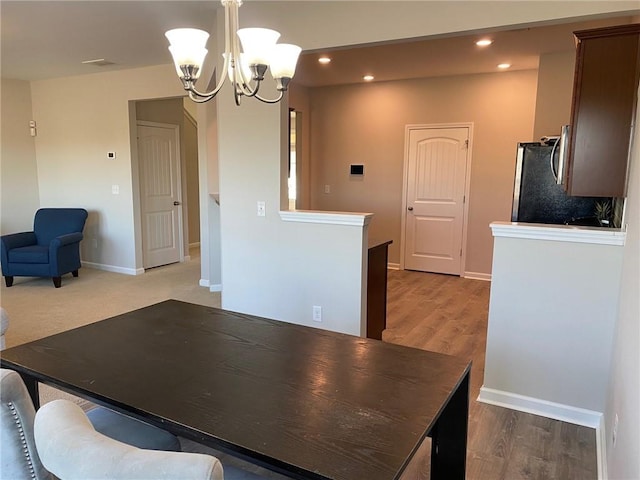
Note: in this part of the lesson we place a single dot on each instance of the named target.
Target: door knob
(176, 203)
(410, 209)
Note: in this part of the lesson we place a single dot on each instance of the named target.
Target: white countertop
(559, 233)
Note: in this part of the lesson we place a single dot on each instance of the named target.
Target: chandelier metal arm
(246, 73)
(201, 97)
(266, 100)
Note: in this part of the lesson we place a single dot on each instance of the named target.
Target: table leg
(32, 387)
(449, 437)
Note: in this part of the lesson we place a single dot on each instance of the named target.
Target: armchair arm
(16, 240)
(66, 239)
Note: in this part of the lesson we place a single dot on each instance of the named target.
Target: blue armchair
(51, 250)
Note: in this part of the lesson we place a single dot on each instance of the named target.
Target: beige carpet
(36, 309)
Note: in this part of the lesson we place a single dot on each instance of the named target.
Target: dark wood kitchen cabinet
(603, 108)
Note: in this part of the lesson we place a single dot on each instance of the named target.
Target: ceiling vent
(98, 62)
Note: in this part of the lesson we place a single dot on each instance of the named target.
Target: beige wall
(18, 169)
(191, 177)
(366, 124)
(76, 129)
(555, 90)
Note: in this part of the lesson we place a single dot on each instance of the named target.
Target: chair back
(70, 448)
(50, 223)
(18, 454)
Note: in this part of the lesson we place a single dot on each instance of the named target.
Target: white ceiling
(49, 39)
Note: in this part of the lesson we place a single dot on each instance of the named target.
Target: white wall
(623, 460)
(18, 171)
(79, 120)
(552, 317)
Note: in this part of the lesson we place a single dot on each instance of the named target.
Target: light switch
(115, 189)
(111, 155)
(262, 209)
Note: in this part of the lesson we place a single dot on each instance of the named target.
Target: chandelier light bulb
(187, 47)
(258, 44)
(284, 59)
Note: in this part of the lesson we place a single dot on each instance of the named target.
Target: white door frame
(467, 186)
(176, 132)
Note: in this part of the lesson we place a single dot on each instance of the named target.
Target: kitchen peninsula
(552, 314)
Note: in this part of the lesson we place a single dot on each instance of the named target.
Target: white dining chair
(70, 448)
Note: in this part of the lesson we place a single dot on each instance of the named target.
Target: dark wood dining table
(305, 402)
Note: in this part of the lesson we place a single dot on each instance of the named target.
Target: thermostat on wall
(111, 155)
(357, 169)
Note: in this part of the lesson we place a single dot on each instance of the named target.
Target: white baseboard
(601, 450)
(393, 266)
(477, 276)
(113, 268)
(213, 287)
(544, 408)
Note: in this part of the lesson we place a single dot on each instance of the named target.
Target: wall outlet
(262, 209)
(115, 189)
(317, 313)
(327, 189)
(615, 430)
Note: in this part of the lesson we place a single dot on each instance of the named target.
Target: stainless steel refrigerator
(537, 197)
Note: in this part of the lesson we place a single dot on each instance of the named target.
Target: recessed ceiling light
(324, 60)
(484, 42)
(504, 65)
(368, 78)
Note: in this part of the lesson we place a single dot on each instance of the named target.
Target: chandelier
(246, 68)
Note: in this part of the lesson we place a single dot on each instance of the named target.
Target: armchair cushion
(50, 223)
(30, 254)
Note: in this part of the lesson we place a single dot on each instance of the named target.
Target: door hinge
(464, 199)
(460, 252)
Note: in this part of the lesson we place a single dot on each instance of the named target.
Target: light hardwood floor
(448, 314)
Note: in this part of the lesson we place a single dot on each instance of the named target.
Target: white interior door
(436, 166)
(160, 194)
